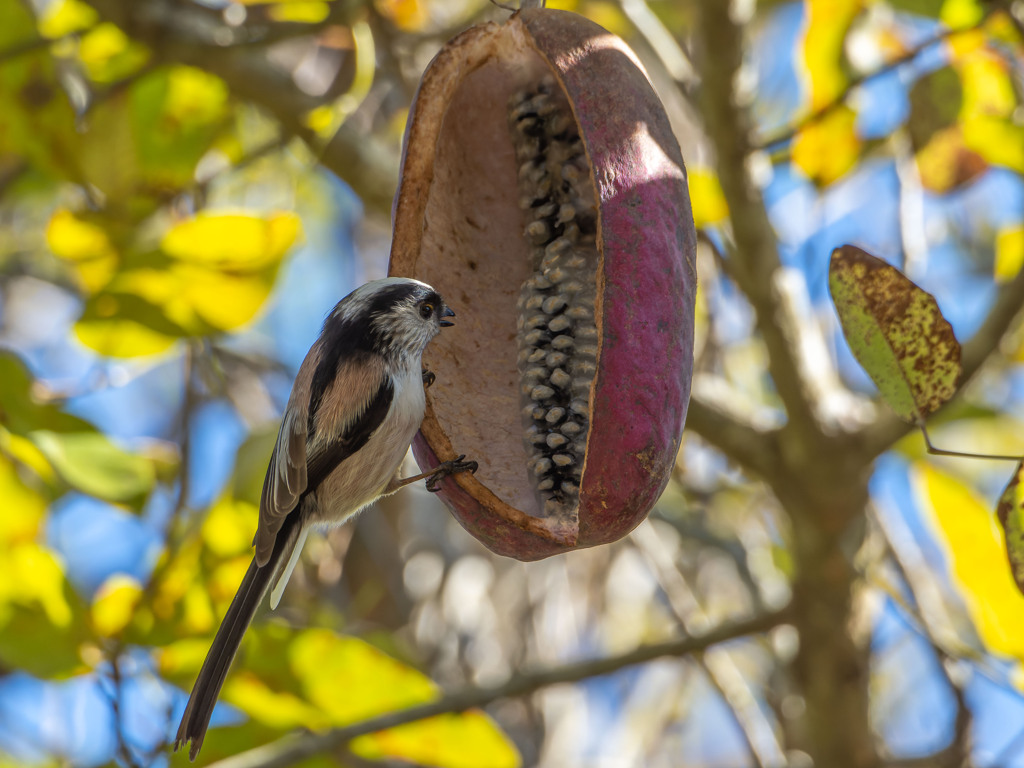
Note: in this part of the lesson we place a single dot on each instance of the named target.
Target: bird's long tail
(255, 585)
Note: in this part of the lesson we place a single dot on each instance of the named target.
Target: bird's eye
(426, 310)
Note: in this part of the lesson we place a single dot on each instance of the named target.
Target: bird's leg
(437, 473)
(428, 378)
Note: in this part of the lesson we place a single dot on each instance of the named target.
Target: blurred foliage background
(188, 186)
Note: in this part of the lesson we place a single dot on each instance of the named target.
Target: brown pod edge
(543, 194)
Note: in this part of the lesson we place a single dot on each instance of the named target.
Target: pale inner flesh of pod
(510, 239)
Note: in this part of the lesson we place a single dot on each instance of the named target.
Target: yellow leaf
(826, 23)
(23, 508)
(182, 657)
(228, 527)
(468, 740)
(108, 54)
(310, 12)
(828, 148)
(375, 683)
(65, 17)
(274, 708)
(195, 96)
(226, 577)
(27, 453)
(957, 14)
(232, 241)
(121, 338)
(987, 85)
(706, 196)
(1009, 253)
(85, 245)
(115, 604)
(32, 575)
(223, 299)
(996, 140)
(973, 541)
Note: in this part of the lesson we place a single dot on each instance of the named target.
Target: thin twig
(290, 750)
(718, 666)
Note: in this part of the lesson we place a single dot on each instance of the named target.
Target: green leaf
(20, 412)
(896, 332)
(1010, 512)
(90, 463)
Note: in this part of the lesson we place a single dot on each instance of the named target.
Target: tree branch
(755, 450)
(755, 263)
(291, 750)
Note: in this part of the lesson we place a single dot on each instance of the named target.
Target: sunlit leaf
(987, 84)
(194, 97)
(896, 332)
(108, 54)
(125, 325)
(827, 148)
(224, 300)
(378, 683)
(115, 604)
(90, 463)
(234, 241)
(957, 14)
(1009, 253)
(65, 17)
(1010, 513)
(976, 552)
(467, 740)
(38, 610)
(826, 24)
(709, 205)
(228, 527)
(278, 709)
(23, 507)
(308, 12)
(996, 140)
(375, 683)
(85, 245)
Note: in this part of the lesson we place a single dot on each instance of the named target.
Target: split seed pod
(544, 195)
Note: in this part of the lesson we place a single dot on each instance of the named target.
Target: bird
(357, 401)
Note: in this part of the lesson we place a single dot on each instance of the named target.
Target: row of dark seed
(557, 332)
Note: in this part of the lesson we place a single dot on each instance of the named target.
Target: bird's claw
(448, 468)
(428, 378)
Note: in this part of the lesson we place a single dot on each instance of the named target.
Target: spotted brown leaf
(896, 332)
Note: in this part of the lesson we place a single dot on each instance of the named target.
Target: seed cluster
(557, 333)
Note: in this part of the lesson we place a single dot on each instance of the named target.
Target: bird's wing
(342, 418)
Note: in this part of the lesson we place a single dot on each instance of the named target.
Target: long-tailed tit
(356, 403)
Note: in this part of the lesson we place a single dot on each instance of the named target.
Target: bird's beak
(446, 313)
